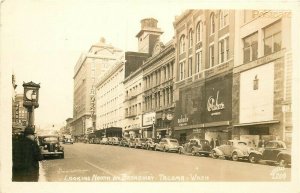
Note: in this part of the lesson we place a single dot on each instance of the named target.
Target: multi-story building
(110, 94)
(262, 76)
(110, 98)
(90, 67)
(158, 79)
(204, 42)
(133, 104)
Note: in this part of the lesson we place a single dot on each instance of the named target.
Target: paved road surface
(94, 162)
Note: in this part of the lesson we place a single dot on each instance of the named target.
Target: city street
(98, 163)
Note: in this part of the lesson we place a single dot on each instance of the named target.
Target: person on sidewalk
(26, 157)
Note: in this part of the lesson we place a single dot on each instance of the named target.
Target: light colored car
(104, 141)
(167, 145)
(233, 149)
(115, 141)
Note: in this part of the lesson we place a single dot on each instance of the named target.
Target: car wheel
(193, 152)
(253, 158)
(234, 156)
(282, 162)
(155, 148)
(180, 151)
(164, 149)
(214, 154)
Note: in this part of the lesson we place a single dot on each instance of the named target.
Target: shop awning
(256, 123)
(188, 127)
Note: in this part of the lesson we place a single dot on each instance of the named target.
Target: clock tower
(148, 35)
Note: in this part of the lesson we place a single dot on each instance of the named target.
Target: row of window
(161, 75)
(223, 22)
(134, 90)
(272, 42)
(133, 110)
(160, 99)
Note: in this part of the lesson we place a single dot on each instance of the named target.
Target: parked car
(131, 142)
(115, 141)
(196, 147)
(124, 142)
(110, 141)
(233, 149)
(273, 152)
(50, 146)
(139, 142)
(97, 140)
(68, 140)
(167, 145)
(104, 141)
(151, 143)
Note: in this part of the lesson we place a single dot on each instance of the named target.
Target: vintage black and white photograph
(142, 93)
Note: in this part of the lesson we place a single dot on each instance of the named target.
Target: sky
(43, 40)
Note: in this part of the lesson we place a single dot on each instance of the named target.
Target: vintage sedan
(131, 142)
(139, 142)
(273, 152)
(68, 140)
(167, 145)
(50, 146)
(233, 149)
(104, 141)
(151, 143)
(196, 147)
(124, 142)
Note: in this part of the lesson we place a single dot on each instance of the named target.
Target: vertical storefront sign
(218, 99)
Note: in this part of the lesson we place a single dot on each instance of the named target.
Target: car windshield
(50, 139)
(275, 145)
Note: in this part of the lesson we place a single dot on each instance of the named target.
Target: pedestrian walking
(26, 157)
(212, 143)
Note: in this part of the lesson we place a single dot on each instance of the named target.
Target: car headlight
(56, 145)
(45, 146)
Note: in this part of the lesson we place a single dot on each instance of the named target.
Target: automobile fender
(239, 152)
(218, 152)
(181, 148)
(284, 155)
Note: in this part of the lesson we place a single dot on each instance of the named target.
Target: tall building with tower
(89, 69)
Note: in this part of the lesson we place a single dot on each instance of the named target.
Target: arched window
(182, 44)
(199, 32)
(223, 18)
(190, 38)
(212, 23)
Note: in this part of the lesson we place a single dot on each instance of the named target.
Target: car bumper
(52, 153)
(173, 149)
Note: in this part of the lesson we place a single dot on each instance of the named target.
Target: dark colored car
(150, 143)
(131, 142)
(196, 147)
(139, 142)
(273, 152)
(124, 142)
(50, 146)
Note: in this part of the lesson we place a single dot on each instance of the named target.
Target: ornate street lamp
(31, 100)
